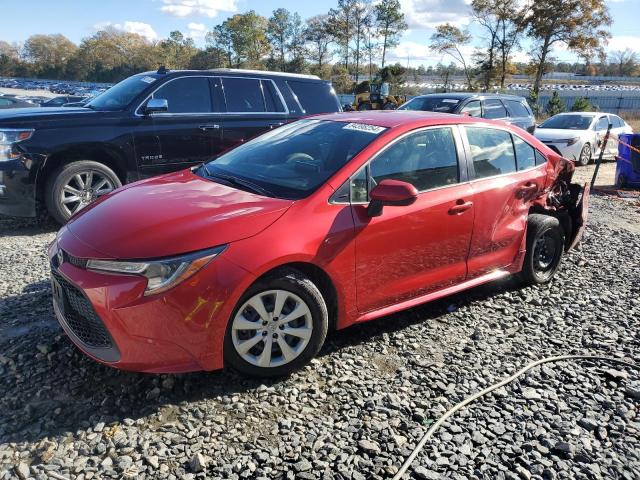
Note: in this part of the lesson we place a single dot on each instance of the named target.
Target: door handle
(212, 126)
(526, 188)
(460, 207)
(275, 125)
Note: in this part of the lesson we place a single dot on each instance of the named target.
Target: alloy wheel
(82, 189)
(272, 328)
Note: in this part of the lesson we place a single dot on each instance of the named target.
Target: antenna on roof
(163, 70)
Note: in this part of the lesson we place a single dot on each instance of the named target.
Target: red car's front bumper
(108, 317)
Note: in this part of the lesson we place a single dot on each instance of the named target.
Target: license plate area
(58, 295)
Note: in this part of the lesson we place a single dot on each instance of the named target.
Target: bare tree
(448, 40)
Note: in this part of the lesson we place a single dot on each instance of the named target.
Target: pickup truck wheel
(279, 325)
(545, 244)
(75, 185)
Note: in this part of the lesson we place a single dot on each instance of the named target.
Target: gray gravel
(358, 410)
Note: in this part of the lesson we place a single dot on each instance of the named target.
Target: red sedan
(249, 260)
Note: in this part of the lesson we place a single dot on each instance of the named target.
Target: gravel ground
(358, 409)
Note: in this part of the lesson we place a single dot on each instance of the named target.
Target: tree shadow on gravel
(50, 388)
(17, 227)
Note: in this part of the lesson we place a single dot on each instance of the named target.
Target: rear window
(516, 108)
(315, 97)
(431, 104)
(271, 98)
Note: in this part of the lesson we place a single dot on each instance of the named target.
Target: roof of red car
(394, 118)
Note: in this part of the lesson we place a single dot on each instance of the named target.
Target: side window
(602, 123)
(314, 97)
(540, 159)
(516, 108)
(493, 108)
(472, 108)
(525, 153)
(271, 99)
(243, 95)
(491, 150)
(186, 95)
(616, 121)
(426, 159)
(4, 102)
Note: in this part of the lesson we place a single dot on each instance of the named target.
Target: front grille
(80, 316)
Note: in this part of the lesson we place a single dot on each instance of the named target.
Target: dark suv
(509, 108)
(146, 125)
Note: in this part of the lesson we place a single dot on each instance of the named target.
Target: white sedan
(578, 135)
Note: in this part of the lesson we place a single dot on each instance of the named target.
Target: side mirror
(391, 193)
(156, 105)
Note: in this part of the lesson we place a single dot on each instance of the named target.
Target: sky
(156, 18)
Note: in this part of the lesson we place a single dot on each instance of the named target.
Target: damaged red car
(249, 260)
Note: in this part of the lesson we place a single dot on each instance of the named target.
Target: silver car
(578, 135)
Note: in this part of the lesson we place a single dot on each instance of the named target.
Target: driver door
(413, 250)
(187, 134)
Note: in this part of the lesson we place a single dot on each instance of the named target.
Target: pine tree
(581, 105)
(555, 104)
(532, 100)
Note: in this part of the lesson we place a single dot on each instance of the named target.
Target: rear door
(187, 134)
(504, 180)
(253, 106)
(519, 114)
(413, 250)
(601, 126)
(493, 109)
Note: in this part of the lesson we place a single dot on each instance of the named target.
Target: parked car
(148, 124)
(508, 108)
(12, 102)
(578, 135)
(248, 260)
(61, 101)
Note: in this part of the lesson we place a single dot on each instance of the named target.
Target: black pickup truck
(148, 124)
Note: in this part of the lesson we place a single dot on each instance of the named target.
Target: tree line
(351, 41)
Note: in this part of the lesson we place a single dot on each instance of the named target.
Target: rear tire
(545, 245)
(75, 185)
(251, 331)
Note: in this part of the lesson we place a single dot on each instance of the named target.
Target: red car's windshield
(294, 160)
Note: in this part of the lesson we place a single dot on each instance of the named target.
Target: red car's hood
(172, 214)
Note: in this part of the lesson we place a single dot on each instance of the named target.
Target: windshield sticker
(148, 79)
(363, 127)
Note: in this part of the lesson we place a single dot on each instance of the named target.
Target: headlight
(162, 274)
(573, 140)
(8, 138)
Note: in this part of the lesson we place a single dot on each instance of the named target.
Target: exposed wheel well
(80, 153)
(321, 279)
(563, 217)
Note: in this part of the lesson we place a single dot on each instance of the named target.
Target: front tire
(545, 245)
(278, 326)
(585, 155)
(75, 185)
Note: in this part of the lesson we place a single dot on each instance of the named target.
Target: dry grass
(634, 122)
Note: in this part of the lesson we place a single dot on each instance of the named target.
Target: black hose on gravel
(407, 463)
